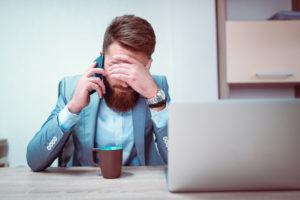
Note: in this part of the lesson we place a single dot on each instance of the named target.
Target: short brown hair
(133, 33)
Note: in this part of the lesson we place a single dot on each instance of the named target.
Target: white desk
(86, 183)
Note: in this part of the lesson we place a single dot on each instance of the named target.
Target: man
(128, 109)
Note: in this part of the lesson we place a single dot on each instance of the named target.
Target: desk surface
(86, 183)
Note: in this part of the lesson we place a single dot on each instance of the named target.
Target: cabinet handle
(276, 74)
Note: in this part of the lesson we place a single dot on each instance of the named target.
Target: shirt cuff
(66, 119)
(160, 118)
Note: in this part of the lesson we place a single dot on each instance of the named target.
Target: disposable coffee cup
(110, 161)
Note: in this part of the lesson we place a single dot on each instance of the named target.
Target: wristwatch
(158, 100)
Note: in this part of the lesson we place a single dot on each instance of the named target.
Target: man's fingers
(122, 77)
(91, 71)
(98, 82)
(119, 70)
(91, 67)
(126, 59)
(120, 65)
(95, 87)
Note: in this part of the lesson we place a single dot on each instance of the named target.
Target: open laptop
(230, 145)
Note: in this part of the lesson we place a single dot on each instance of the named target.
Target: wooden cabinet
(263, 52)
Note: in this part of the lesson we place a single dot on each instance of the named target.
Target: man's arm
(160, 123)
(50, 139)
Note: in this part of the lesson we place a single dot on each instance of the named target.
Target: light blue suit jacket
(49, 141)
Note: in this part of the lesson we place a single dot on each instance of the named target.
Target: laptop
(234, 145)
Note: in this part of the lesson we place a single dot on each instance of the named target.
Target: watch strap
(159, 104)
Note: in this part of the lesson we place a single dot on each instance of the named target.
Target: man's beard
(120, 102)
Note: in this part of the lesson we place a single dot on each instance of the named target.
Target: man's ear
(149, 64)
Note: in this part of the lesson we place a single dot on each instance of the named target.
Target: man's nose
(124, 84)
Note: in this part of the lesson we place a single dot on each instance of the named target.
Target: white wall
(193, 27)
(41, 41)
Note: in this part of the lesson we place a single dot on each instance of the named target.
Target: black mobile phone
(100, 63)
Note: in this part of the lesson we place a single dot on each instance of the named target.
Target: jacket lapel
(138, 118)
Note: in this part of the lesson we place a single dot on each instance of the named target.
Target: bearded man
(129, 107)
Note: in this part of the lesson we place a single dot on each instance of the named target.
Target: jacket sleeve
(47, 143)
(161, 134)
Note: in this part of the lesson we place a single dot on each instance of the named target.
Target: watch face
(162, 94)
(159, 97)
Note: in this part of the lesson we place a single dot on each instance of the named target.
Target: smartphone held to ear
(100, 63)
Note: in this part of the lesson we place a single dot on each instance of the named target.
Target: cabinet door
(263, 51)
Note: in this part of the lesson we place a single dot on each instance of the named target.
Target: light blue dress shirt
(113, 128)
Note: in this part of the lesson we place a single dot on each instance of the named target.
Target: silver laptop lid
(234, 145)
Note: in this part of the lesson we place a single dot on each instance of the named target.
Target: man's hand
(135, 74)
(81, 97)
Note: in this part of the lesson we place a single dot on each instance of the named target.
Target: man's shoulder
(160, 80)
(67, 85)
(158, 77)
(71, 79)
